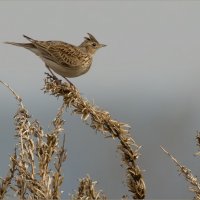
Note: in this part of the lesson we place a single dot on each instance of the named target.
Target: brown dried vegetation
(102, 121)
(186, 172)
(31, 175)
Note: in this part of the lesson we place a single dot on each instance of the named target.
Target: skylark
(65, 59)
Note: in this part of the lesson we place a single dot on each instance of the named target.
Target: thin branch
(198, 143)
(100, 120)
(87, 190)
(14, 93)
(195, 188)
(30, 176)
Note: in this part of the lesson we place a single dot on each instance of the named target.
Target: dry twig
(198, 143)
(195, 188)
(101, 120)
(87, 190)
(30, 175)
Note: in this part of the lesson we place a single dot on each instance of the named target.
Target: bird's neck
(87, 49)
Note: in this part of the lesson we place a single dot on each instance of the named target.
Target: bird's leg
(53, 75)
(68, 80)
(49, 75)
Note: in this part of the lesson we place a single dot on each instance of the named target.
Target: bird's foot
(53, 77)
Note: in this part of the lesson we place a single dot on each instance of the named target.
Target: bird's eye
(94, 44)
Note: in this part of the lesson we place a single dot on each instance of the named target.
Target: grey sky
(147, 76)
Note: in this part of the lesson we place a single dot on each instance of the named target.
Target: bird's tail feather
(28, 38)
(25, 45)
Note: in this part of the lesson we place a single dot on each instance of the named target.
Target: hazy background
(147, 76)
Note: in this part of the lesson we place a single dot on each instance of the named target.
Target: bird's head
(91, 44)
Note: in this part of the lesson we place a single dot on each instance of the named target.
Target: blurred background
(147, 76)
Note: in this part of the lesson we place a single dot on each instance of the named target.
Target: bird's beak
(103, 45)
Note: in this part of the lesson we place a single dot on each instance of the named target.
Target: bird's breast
(68, 71)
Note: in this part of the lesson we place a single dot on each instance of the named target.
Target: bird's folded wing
(61, 53)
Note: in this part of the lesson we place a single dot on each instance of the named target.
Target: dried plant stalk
(87, 190)
(30, 176)
(101, 120)
(6, 182)
(198, 143)
(195, 185)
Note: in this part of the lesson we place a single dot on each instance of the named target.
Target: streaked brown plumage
(65, 59)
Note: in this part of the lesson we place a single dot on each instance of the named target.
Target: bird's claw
(57, 80)
(51, 76)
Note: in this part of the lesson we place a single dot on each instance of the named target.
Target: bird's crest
(91, 38)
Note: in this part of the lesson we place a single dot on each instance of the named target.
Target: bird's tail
(25, 45)
(29, 39)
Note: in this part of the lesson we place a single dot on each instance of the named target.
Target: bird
(65, 59)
